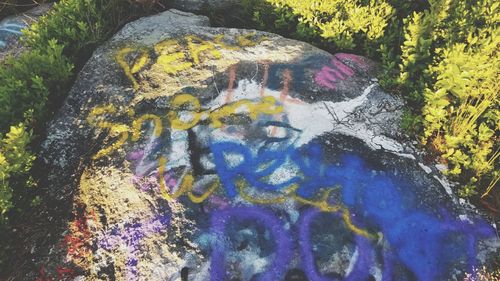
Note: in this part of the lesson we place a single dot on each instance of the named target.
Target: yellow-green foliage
(450, 70)
(78, 25)
(15, 160)
(462, 108)
(441, 55)
(416, 50)
(339, 21)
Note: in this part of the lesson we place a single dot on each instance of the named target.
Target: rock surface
(186, 152)
(10, 29)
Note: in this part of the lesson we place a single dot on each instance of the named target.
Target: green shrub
(78, 25)
(27, 81)
(15, 161)
(442, 57)
(341, 22)
(462, 112)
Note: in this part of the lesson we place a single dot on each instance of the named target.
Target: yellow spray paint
(267, 105)
(195, 108)
(115, 129)
(198, 46)
(200, 198)
(346, 216)
(137, 124)
(185, 185)
(245, 40)
(240, 184)
(322, 204)
(136, 66)
(171, 57)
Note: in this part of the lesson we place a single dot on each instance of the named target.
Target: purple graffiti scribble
(283, 251)
(365, 252)
(135, 155)
(218, 201)
(331, 74)
(130, 236)
(147, 183)
(141, 158)
(150, 183)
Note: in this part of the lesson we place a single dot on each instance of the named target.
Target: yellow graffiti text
(322, 204)
(177, 55)
(185, 114)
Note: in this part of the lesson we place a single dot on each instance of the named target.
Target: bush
(462, 112)
(440, 55)
(15, 161)
(78, 25)
(343, 23)
(27, 81)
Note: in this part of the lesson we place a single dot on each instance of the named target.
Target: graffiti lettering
(172, 57)
(265, 190)
(267, 106)
(137, 65)
(363, 263)
(233, 186)
(115, 129)
(283, 248)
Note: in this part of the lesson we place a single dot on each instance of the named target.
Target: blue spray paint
(415, 235)
(9, 28)
(229, 173)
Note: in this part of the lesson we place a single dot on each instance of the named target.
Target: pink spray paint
(331, 74)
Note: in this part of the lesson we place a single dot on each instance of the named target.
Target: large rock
(186, 152)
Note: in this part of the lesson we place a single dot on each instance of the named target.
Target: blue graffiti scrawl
(9, 29)
(415, 236)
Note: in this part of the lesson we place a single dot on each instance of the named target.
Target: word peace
(172, 55)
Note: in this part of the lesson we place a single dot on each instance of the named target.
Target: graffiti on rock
(62, 273)
(330, 74)
(8, 29)
(128, 238)
(77, 244)
(274, 200)
(177, 55)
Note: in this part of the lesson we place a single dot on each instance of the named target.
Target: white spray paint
(317, 118)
